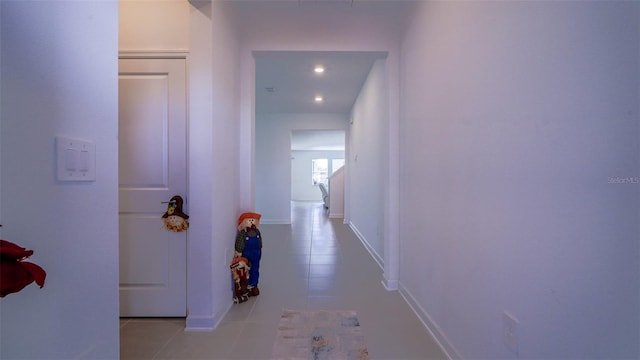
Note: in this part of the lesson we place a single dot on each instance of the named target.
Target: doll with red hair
(249, 245)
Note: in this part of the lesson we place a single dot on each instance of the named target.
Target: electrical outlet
(510, 330)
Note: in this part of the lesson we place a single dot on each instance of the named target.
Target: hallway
(315, 263)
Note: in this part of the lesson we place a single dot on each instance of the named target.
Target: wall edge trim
(378, 259)
(432, 327)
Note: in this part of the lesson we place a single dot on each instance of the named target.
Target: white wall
(302, 189)
(368, 160)
(225, 142)
(59, 77)
(273, 159)
(515, 117)
(200, 254)
(154, 25)
(336, 194)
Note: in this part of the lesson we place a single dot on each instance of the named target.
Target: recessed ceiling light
(318, 99)
(319, 69)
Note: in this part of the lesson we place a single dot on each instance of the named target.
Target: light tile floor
(315, 263)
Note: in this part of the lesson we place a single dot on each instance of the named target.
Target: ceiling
(286, 83)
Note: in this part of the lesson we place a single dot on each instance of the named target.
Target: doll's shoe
(239, 299)
(254, 291)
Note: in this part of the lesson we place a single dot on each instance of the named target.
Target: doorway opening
(284, 91)
(315, 156)
(287, 84)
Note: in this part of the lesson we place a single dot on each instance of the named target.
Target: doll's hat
(176, 202)
(249, 215)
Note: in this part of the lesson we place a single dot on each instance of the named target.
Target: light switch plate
(76, 159)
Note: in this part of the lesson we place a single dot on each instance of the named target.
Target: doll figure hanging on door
(249, 245)
(174, 218)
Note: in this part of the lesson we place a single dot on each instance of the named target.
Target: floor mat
(319, 335)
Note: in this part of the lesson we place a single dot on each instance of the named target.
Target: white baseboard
(422, 315)
(206, 323)
(378, 259)
(390, 285)
(433, 328)
(199, 323)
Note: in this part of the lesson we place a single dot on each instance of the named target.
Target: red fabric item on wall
(15, 273)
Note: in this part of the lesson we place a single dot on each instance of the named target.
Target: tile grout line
(242, 327)
(157, 353)
(311, 220)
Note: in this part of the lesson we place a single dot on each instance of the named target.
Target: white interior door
(152, 168)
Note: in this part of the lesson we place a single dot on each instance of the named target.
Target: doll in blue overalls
(249, 245)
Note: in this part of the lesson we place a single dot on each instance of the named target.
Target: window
(320, 171)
